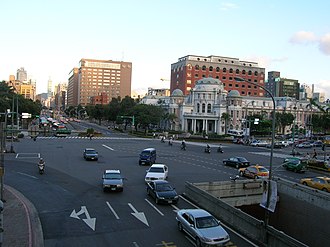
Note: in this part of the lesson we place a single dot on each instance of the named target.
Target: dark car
(276, 145)
(91, 154)
(317, 144)
(162, 192)
(148, 156)
(112, 181)
(237, 162)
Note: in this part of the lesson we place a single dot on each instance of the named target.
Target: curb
(35, 233)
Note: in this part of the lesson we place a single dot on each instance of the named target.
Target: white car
(259, 143)
(156, 172)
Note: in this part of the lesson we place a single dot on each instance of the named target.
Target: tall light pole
(239, 79)
(294, 128)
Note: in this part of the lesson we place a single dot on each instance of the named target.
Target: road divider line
(152, 205)
(24, 174)
(113, 211)
(188, 201)
(176, 209)
(107, 147)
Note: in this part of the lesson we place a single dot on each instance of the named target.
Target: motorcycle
(219, 150)
(41, 168)
(183, 147)
(207, 150)
(162, 139)
(170, 143)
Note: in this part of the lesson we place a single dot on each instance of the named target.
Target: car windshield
(90, 151)
(156, 169)
(164, 187)
(144, 153)
(206, 222)
(242, 159)
(112, 176)
(262, 169)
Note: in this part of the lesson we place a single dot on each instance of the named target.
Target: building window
(255, 80)
(196, 75)
(224, 70)
(237, 71)
(223, 78)
(217, 77)
(197, 67)
(231, 70)
(198, 107)
(217, 69)
(243, 71)
(230, 85)
(203, 75)
(236, 85)
(209, 108)
(203, 108)
(250, 72)
(256, 73)
(231, 113)
(230, 78)
(211, 68)
(204, 67)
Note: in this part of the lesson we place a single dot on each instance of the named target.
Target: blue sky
(48, 38)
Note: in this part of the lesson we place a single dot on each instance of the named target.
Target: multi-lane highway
(74, 210)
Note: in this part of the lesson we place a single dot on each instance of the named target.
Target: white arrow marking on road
(107, 147)
(140, 216)
(89, 221)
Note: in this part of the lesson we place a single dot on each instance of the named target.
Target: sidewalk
(21, 223)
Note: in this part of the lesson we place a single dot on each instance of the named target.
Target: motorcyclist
(162, 139)
(183, 145)
(220, 149)
(170, 141)
(41, 164)
(208, 148)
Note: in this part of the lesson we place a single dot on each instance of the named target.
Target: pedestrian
(314, 154)
(307, 156)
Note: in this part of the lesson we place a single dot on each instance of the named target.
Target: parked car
(276, 145)
(259, 143)
(90, 154)
(147, 156)
(156, 172)
(162, 192)
(202, 227)
(305, 145)
(237, 162)
(321, 183)
(255, 171)
(295, 164)
(112, 180)
(317, 144)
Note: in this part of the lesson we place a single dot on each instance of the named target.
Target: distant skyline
(48, 38)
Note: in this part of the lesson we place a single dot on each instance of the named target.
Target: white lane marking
(107, 147)
(27, 155)
(176, 209)
(113, 211)
(135, 244)
(152, 205)
(188, 201)
(139, 215)
(27, 175)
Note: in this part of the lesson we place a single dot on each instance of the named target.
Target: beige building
(94, 77)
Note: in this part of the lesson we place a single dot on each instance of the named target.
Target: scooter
(207, 150)
(219, 150)
(162, 139)
(41, 168)
(183, 147)
(170, 143)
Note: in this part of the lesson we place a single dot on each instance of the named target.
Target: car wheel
(198, 242)
(325, 189)
(241, 173)
(180, 227)
(304, 183)
(295, 170)
(224, 163)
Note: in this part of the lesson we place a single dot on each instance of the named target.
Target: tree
(226, 117)
(146, 115)
(284, 119)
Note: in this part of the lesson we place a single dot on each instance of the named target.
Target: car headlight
(176, 197)
(119, 185)
(162, 198)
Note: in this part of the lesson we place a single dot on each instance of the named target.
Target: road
(74, 210)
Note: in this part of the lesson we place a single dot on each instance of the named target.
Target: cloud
(303, 37)
(324, 44)
(227, 6)
(265, 62)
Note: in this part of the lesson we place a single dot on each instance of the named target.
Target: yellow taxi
(321, 183)
(255, 171)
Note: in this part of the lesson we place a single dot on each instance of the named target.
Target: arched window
(208, 108)
(217, 69)
(198, 107)
(224, 70)
(237, 71)
(204, 67)
(256, 73)
(189, 66)
(231, 70)
(250, 72)
(211, 68)
(196, 67)
(203, 108)
(243, 71)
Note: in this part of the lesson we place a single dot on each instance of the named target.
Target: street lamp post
(239, 79)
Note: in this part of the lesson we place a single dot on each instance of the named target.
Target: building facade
(282, 87)
(94, 77)
(189, 69)
(21, 74)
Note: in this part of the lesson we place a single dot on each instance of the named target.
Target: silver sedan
(202, 227)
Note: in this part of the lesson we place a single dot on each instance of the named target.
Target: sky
(48, 38)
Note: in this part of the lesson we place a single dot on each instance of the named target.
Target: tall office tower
(49, 88)
(96, 77)
(21, 74)
(191, 68)
(282, 87)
